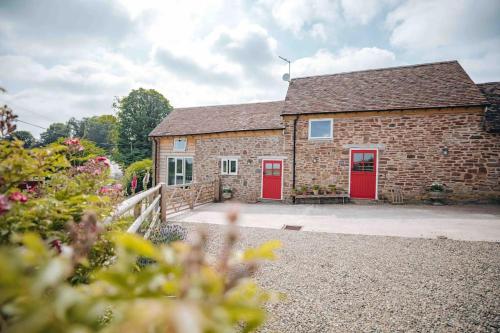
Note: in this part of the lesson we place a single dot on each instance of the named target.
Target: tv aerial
(286, 77)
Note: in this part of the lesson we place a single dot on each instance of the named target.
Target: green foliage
(54, 132)
(138, 114)
(26, 137)
(62, 193)
(436, 187)
(179, 292)
(89, 150)
(102, 130)
(139, 168)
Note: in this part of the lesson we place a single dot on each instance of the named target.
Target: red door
(363, 174)
(271, 179)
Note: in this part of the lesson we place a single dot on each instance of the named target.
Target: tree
(25, 136)
(54, 132)
(102, 130)
(138, 114)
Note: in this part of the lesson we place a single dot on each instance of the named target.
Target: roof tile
(221, 118)
(443, 84)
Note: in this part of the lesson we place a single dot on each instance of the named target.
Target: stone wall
(208, 149)
(410, 147)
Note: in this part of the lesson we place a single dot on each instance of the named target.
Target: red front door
(271, 179)
(363, 174)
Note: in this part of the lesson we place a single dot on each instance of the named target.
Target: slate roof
(491, 91)
(435, 85)
(221, 118)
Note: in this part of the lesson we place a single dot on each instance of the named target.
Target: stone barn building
(367, 132)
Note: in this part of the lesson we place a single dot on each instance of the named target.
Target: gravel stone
(354, 283)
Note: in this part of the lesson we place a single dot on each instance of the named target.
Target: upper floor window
(320, 129)
(229, 166)
(180, 144)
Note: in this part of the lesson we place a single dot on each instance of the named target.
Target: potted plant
(437, 193)
(332, 188)
(227, 193)
(303, 189)
(315, 189)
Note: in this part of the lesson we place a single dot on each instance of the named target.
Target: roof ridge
(490, 82)
(224, 105)
(379, 69)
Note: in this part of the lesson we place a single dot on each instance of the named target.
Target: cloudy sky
(64, 58)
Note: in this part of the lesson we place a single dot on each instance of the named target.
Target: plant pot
(227, 195)
(437, 195)
(316, 192)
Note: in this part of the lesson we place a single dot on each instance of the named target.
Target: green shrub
(139, 168)
(59, 196)
(179, 292)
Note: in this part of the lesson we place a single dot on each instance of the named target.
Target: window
(180, 144)
(179, 170)
(320, 129)
(363, 162)
(272, 169)
(229, 166)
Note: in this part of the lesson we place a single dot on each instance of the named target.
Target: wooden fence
(156, 204)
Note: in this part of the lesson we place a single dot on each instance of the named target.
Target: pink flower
(104, 160)
(18, 197)
(118, 187)
(4, 204)
(133, 183)
(56, 244)
(72, 142)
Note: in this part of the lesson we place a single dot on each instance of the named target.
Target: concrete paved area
(467, 222)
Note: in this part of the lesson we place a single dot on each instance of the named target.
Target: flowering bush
(62, 190)
(135, 174)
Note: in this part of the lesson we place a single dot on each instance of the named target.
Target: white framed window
(180, 144)
(320, 129)
(229, 166)
(179, 170)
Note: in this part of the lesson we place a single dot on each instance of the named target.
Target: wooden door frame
(376, 169)
(262, 177)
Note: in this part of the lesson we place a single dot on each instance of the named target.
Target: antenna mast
(285, 78)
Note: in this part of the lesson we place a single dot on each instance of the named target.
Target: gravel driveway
(353, 283)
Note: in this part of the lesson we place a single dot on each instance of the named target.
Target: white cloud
(362, 11)
(348, 59)
(299, 15)
(466, 30)
(318, 31)
(434, 25)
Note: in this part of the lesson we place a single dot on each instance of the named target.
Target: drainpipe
(293, 153)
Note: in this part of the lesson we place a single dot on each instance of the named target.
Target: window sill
(320, 139)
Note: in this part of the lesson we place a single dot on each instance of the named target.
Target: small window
(229, 166)
(320, 129)
(180, 144)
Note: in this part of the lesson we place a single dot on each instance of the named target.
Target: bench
(343, 196)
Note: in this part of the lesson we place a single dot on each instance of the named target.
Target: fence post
(217, 189)
(138, 209)
(163, 203)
